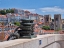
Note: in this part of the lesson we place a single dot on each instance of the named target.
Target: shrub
(46, 27)
(17, 23)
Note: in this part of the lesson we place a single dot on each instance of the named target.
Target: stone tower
(57, 22)
(47, 20)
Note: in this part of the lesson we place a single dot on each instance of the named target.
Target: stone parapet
(41, 41)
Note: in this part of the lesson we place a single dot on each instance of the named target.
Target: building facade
(57, 22)
(47, 20)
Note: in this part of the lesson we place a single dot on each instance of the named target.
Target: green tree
(12, 11)
(17, 23)
(3, 12)
(46, 27)
(8, 11)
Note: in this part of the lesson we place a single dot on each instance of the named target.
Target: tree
(46, 27)
(17, 23)
(8, 11)
(53, 20)
(11, 10)
(3, 12)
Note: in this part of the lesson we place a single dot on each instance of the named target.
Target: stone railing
(42, 41)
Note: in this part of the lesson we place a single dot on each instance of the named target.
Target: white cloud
(53, 9)
(31, 10)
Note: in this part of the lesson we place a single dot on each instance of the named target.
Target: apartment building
(13, 17)
(3, 18)
(26, 14)
(18, 11)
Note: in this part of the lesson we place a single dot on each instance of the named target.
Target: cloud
(31, 10)
(53, 9)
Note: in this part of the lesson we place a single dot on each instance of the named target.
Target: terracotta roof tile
(35, 14)
(49, 31)
(40, 22)
(3, 16)
(27, 11)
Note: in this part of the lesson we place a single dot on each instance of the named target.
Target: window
(46, 19)
(56, 25)
(56, 19)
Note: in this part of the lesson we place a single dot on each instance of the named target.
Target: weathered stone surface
(41, 41)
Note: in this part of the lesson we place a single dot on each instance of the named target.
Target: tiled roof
(26, 14)
(3, 16)
(27, 11)
(48, 31)
(31, 14)
(35, 14)
(40, 22)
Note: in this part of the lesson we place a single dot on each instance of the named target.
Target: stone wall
(42, 41)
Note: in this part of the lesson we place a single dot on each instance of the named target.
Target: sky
(41, 7)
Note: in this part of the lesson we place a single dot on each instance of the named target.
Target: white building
(19, 11)
(3, 18)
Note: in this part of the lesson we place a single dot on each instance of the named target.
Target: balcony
(41, 41)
